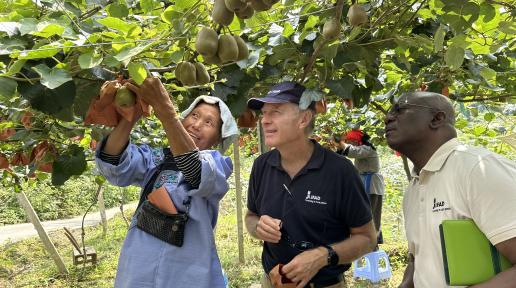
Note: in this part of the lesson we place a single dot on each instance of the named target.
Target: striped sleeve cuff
(111, 159)
(190, 164)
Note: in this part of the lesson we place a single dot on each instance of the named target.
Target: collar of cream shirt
(437, 160)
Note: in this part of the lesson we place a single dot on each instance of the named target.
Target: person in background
(313, 219)
(450, 180)
(194, 187)
(355, 144)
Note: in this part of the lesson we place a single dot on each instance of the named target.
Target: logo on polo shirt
(440, 206)
(313, 198)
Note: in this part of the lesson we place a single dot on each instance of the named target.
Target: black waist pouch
(166, 227)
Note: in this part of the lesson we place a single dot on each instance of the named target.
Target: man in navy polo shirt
(305, 202)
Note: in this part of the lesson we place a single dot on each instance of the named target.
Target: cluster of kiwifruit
(224, 10)
(221, 49)
(191, 74)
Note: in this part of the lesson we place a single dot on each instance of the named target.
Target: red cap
(354, 135)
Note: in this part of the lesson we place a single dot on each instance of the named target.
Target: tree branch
(92, 12)
(486, 98)
(379, 107)
(313, 58)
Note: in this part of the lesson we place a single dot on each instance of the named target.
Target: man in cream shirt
(450, 181)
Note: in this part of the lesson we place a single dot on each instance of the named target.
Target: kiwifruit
(212, 59)
(178, 71)
(125, 97)
(331, 29)
(207, 42)
(243, 51)
(356, 15)
(259, 6)
(245, 13)
(188, 74)
(202, 75)
(235, 5)
(220, 14)
(228, 49)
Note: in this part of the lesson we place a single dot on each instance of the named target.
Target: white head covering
(229, 127)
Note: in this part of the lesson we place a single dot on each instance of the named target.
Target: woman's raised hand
(154, 93)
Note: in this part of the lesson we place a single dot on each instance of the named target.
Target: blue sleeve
(135, 161)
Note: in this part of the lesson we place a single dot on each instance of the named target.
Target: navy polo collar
(315, 162)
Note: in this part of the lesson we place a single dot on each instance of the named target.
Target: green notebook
(469, 258)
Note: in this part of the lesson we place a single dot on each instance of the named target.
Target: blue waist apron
(366, 179)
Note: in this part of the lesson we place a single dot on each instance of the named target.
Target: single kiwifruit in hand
(243, 51)
(356, 15)
(235, 5)
(202, 75)
(207, 42)
(228, 49)
(188, 74)
(245, 13)
(258, 5)
(220, 14)
(125, 97)
(331, 29)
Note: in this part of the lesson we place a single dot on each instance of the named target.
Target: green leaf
(439, 38)
(28, 25)
(479, 130)
(488, 11)
(489, 116)
(45, 51)
(89, 60)
(311, 22)
(454, 57)
(118, 10)
(115, 24)
(7, 88)
(147, 5)
(137, 72)
(47, 30)
(16, 67)
(459, 41)
(341, 87)
(488, 73)
(184, 4)
(85, 91)
(128, 53)
(52, 78)
(72, 162)
(288, 30)
(11, 28)
(507, 27)
(49, 101)
(309, 96)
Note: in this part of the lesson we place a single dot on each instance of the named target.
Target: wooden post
(49, 246)
(406, 167)
(102, 210)
(262, 148)
(238, 188)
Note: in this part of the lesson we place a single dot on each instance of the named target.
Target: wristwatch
(333, 258)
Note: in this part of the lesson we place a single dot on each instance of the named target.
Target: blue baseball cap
(284, 92)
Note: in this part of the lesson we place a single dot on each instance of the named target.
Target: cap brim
(257, 103)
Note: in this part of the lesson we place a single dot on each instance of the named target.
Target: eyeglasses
(397, 107)
(299, 245)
